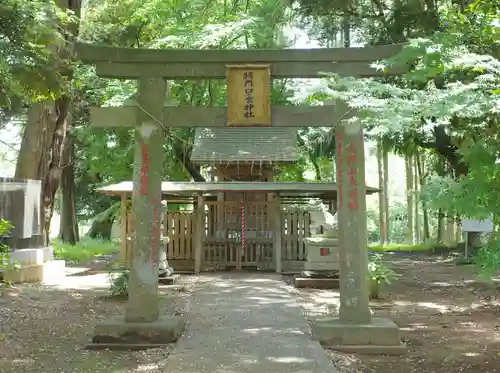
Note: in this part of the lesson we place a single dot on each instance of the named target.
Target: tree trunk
(385, 166)
(384, 237)
(193, 170)
(416, 200)
(68, 231)
(317, 169)
(458, 230)
(409, 198)
(449, 231)
(440, 227)
(427, 231)
(381, 198)
(346, 32)
(420, 170)
(41, 150)
(44, 136)
(34, 154)
(52, 179)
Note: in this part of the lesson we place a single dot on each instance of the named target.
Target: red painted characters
(339, 142)
(144, 170)
(350, 153)
(352, 158)
(155, 228)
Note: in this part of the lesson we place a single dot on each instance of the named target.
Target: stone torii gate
(354, 329)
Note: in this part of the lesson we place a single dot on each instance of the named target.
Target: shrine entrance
(245, 238)
(238, 235)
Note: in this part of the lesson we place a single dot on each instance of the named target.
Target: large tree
(45, 132)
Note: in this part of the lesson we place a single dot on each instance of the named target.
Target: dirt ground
(449, 319)
(45, 329)
(450, 322)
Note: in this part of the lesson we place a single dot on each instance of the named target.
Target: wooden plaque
(248, 95)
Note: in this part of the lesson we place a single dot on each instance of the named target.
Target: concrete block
(28, 256)
(380, 337)
(27, 273)
(48, 254)
(322, 254)
(36, 272)
(169, 280)
(119, 333)
(316, 283)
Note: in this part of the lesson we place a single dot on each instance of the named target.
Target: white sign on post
(471, 225)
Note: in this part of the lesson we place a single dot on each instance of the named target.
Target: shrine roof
(178, 189)
(256, 144)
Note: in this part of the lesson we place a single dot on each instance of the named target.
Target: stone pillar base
(118, 334)
(380, 337)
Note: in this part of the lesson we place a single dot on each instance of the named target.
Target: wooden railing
(222, 236)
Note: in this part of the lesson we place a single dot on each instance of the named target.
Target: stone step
(169, 280)
(316, 283)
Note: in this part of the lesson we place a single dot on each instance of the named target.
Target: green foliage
(28, 37)
(5, 228)
(398, 221)
(453, 82)
(395, 247)
(166, 24)
(118, 281)
(379, 272)
(448, 101)
(84, 251)
(487, 258)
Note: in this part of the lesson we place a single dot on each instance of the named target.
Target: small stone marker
(354, 330)
(322, 266)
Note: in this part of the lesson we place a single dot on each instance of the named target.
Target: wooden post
(123, 229)
(354, 303)
(143, 304)
(220, 214)
(200, 232)
(276, 224)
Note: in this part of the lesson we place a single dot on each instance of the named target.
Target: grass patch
(402, 247)
(83, 251)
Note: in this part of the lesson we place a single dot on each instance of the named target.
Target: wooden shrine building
(249, 220)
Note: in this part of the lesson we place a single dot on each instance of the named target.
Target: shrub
(5, 228)
(118, 278)
(379, 273)
(85, 250)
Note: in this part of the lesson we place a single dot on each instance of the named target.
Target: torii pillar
(142, 324)
(354, 329)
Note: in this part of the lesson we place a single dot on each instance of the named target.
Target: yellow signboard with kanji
(248, 95)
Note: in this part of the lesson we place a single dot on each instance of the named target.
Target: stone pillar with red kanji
(354, 303)
(143, 304)
(354, 330)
